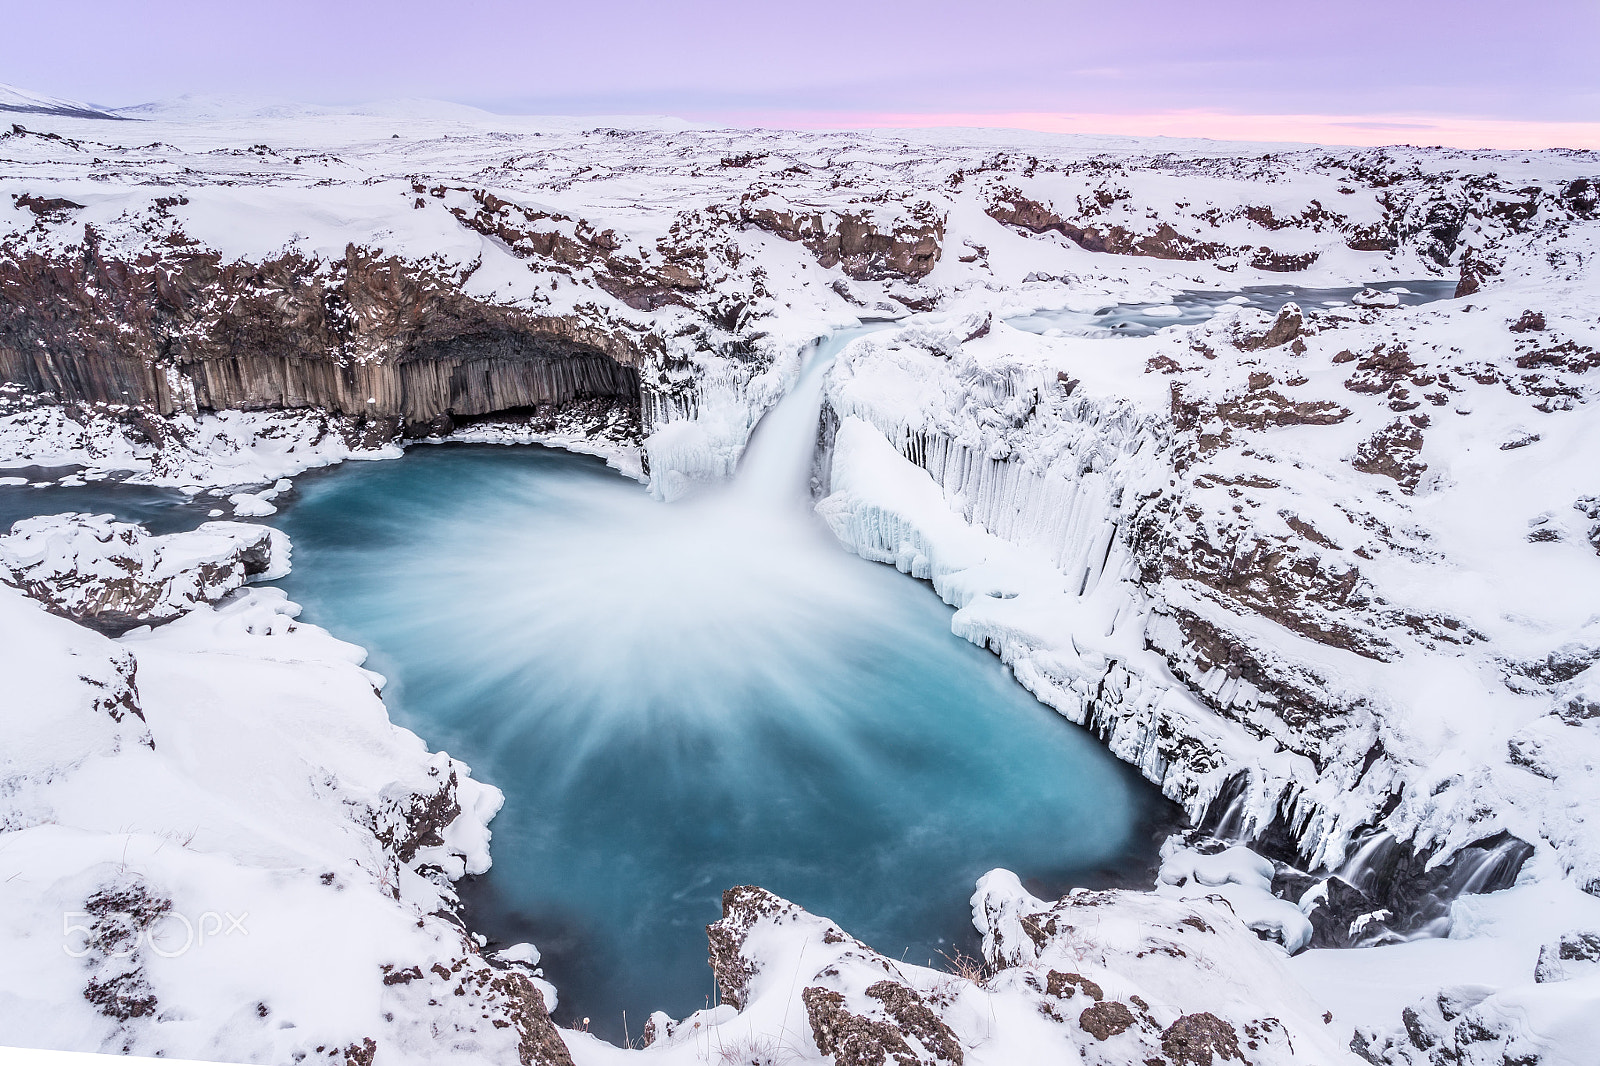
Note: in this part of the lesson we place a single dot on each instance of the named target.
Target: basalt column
(391, 342)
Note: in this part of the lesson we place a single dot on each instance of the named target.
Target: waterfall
(777, 462)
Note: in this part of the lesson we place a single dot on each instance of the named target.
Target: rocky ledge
(112, 576)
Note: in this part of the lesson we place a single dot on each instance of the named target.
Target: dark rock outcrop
(1392, 453)
(742, 907)
(1288, 326)
(910, 1035)
(855, 241)
(1106, 1020)
(1200, 1040)
(385, 340)
(1572, 955)
(1014, 209)
(112, 576)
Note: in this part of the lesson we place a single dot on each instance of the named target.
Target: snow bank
(218, 847)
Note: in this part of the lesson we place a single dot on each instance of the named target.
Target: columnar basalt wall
(390, 341)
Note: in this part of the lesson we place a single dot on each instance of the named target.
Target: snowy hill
(21, 101)
(212, 107)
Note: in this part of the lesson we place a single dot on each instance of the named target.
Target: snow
(1057, 490)
(1243, 880)
(113, 575)
(243, 788)
(1374, 298)
(246, 505)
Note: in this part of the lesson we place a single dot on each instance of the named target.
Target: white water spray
(783, 446)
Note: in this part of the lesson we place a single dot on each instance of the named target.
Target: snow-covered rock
(1098, 978)
(216, 846)
(1374, 298)
(1242, 881)
(113, 576)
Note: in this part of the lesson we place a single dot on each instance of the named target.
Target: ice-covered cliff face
(1357, 541)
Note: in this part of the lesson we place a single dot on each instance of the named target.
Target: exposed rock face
(867, 242)
(1105, 1020)
(908, 1032)
(1286, 327)
(119, 917)
(1573, 955)
(543, 236)
(112, 576)
(742, 907)
(1392, 453)
(372, 336)
(1014, 209)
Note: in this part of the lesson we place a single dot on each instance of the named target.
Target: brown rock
(1011, 208)
(1200, 1040)
(184, 331)
(853, 1040)
(1063, 985)
(1106, 1020)
(742, 907)
(1392, 453)
(1288, 326)
(851, 240)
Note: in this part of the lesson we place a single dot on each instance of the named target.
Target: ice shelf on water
(1191, 308)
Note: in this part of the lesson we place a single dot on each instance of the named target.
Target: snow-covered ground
(216, 845)
(1332, 570)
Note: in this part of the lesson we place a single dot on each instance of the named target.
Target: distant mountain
(21, 100)
(211, 107)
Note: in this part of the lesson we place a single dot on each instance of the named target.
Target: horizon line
(1339, 130)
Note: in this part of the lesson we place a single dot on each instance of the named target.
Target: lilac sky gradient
(1359, 60)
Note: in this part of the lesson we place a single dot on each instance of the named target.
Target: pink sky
(1464, 72)
(1426, 130)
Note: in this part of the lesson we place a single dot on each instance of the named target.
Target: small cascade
(784, 443)
(1414, 894)
(1369, 862)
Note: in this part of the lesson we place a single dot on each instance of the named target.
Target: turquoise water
(161, 510)
(678, 698)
